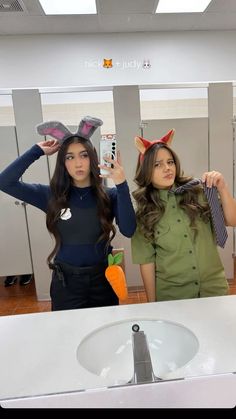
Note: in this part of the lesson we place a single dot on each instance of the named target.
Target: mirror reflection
(155, 112)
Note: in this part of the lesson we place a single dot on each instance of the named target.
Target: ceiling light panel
(69, 7)
(182, 6)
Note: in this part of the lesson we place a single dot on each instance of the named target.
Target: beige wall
(70, 113)
(162, 109)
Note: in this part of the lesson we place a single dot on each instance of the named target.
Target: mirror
(160, 109)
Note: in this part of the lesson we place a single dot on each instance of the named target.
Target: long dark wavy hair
(150, 208)
(60, 185)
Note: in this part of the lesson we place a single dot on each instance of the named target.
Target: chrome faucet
(143, 371)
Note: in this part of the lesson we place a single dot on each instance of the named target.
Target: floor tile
(22, 299)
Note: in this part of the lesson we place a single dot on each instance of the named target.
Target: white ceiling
(115, 16)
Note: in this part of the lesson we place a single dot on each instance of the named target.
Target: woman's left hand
(214, 179)
(116, 173)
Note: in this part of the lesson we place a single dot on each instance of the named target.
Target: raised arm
(10, 183)
(228, 202)
(123, 210)
(121, 200)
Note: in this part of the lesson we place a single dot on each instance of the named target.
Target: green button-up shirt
(186, 267)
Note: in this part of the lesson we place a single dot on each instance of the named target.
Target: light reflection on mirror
(155, 104)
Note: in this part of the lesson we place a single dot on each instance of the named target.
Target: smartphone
(107, 148)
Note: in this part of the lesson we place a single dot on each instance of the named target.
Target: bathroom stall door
(190, 141)
(14, 242)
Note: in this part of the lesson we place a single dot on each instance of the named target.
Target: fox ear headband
(57, 130)
(143, 145)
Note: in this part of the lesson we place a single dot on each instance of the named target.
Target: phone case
(107, 147)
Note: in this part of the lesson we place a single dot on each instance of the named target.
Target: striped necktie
(215, 208)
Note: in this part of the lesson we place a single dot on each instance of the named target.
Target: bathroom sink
(108, 353)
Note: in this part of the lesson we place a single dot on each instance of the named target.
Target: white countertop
(38, 351)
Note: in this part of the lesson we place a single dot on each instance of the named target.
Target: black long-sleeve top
(79, 227)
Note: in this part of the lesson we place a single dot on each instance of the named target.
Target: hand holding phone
(107, 149)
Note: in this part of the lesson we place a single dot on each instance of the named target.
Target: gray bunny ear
(87, 126)
(55, 129)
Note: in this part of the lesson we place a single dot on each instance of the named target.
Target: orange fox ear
(142, 144)
(167, 139)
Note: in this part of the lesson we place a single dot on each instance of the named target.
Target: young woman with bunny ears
(79, 212)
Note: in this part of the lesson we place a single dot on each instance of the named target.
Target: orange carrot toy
(116, 277)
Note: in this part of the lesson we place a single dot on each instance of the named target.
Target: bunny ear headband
(56, 129)
(143, 145)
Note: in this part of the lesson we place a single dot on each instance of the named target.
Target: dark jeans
(73, 287)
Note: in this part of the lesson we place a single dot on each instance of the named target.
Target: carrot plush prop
(115, 276)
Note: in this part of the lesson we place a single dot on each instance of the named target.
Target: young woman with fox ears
(79, 212)
(175, 241)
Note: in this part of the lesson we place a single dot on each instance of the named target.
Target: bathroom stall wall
(221, 150)
(28, 113)
(127, 122)
(15, 255)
